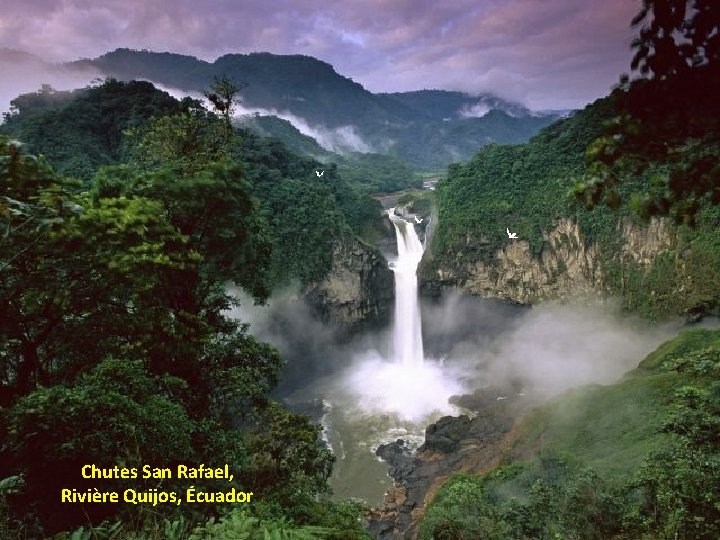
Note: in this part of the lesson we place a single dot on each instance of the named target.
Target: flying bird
(511, 234)
(319, 173)
(418, 220)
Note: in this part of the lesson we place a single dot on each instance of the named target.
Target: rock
(400, 458)
(566, 267)
(359, 289)
(451, 444)
(445, 434)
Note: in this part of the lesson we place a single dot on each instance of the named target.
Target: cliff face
(358, 291)
(567, 266)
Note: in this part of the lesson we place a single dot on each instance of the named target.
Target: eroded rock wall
(358, 291)
(567, 265)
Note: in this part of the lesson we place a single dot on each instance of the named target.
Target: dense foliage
(365, 171)
(114, 344)
(638, 459)
(171, 141)
(77, 131)
(529, 187)
(377, 172)
(668, 125)
(648, 150)
(524, 186)
(408, 126)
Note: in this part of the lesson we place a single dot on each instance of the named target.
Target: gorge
(219, 258)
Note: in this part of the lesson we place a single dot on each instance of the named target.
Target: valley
(384, 312)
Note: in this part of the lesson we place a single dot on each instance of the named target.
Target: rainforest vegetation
(124, 215)
(648, 150)
(639, 458)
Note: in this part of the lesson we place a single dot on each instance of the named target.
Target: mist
(24, 73)
(548, 348)
(470, 343)
(341, 140)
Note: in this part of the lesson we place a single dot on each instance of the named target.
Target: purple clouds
(546, 53)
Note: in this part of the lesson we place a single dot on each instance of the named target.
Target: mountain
(23, 72)
(444, 105)
(428, 128)
(659, 268)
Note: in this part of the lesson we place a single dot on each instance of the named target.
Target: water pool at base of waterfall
(374, 402)
(378, 400)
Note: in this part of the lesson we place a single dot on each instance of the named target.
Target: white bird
(319, 173)
(418, 220)
(499, 398)
(511, 234)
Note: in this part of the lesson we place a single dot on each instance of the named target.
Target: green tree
(222, 95)
(182, 161)
(674, 36)
(84, 279)
(115, 415)
(680, 483)
(289, 465)
(665, 141)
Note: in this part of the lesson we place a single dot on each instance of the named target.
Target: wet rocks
(471, 444)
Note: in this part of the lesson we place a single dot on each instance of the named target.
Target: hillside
(80, 132)
(635, 459)
(351, 117)
(368, 171)
(660, 267)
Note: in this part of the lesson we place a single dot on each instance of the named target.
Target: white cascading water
(404, 385)
(407, 342)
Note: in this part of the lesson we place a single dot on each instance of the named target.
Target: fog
(341, 140)
(470, 343)
(549, 348)
(23, 73)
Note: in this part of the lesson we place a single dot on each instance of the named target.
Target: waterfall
(408, 387)
(407, 344)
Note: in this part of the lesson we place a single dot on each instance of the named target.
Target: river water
(381, 398)
(392, 384)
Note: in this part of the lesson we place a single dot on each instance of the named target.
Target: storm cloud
(547, 54)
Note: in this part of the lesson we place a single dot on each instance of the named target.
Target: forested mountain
(444, 105)
(116, 347)
(366, 171)
(127, 216)
(621, 198)
(664, 267)
(80, 131)
(427, 129)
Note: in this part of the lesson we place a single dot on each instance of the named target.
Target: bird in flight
(319, 173)
(418, 220)
(511, 234)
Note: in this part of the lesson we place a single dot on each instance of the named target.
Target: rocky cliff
(358, 291)
(566, 266)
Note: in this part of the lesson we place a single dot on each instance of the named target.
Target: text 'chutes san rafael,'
(146, 471)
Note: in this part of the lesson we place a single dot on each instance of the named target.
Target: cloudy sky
(545, 53)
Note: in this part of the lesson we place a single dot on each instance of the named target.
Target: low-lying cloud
(340, 140)
(23, 74)
(553, 347)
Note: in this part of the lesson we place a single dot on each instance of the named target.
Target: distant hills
(427, 129)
